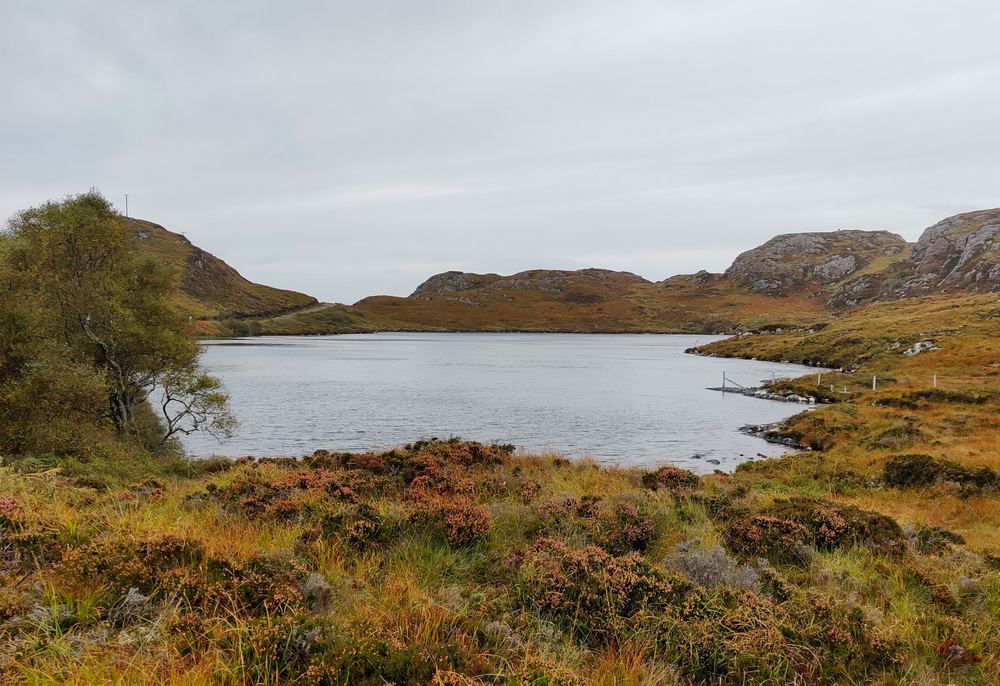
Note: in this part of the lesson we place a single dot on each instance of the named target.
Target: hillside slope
(957, 254)
(210, 288)
(586, 300)
(811, 261)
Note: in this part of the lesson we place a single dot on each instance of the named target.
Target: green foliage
(87, 334)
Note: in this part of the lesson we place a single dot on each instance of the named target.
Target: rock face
(960, 253)
(795, 261)
(957, 253)
(449, 282)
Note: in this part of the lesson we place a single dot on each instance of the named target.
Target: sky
(346, 149)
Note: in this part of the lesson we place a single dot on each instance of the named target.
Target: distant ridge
(792, 278)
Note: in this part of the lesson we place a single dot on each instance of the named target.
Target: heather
(453, 562)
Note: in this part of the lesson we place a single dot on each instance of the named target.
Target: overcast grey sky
(352, 148)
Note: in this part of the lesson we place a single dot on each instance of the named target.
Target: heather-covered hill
(586, 300)
(210, 288)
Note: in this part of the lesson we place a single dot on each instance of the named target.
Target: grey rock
(792, 261)
(958, 253)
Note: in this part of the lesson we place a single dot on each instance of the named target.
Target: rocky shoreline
(772, 433)
(764, 394)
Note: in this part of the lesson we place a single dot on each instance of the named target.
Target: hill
(812, 261)
(790, 280)
(586, 300)
(958, 254)
(210, 288)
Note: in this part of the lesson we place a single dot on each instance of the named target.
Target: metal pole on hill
(126, 205)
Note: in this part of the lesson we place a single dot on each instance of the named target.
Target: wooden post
(819, 378)
(874, 382)
(723, 380)
(934, 381)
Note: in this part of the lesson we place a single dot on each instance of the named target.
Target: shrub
(942, 396)
(727, 637)
(725, 504)
(170, 566)
(283, 494)
(465, 523)
(911, 470)
(897, 402)
(591, 592)
(904, 471)
(671, 478)
(465, 453)
(258, 586)
(554, 513)
(359, 525)
(529, 490)
(779, 540)
(898, 435)
(121, 565)
(462, 521)
(11, 511)
(624, 528)
(846, 647)
(314, 651)
(952, 654)
(831, 526)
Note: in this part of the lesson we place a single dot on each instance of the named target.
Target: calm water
(621, 399)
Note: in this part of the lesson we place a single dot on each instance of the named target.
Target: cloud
(343, 148)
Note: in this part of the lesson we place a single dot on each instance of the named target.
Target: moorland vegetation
(872, 556)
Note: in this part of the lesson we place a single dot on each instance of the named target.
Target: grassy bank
(936, 362)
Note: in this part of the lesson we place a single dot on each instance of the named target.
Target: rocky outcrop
(449, 282)
(958, 253)
(791, 262)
